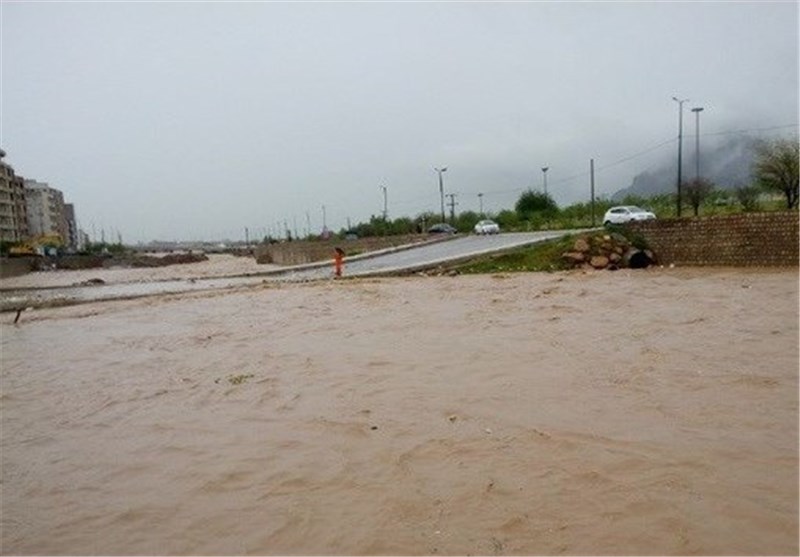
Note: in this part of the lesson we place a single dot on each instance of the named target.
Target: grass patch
(543, 256)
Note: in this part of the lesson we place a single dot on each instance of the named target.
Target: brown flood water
(651, 412)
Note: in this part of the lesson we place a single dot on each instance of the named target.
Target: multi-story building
(73, 238)
(46, 216)
(13, 207)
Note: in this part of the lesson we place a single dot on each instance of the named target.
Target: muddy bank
(636, 412)
(216, 265)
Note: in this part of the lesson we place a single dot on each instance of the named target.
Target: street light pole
(697, 111)
(385, 206)
(441, 188)
(544, 173)
(591, 174)
(680, 146)
(480, 201)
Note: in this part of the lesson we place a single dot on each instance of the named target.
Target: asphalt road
(429, 255)
(399, 260)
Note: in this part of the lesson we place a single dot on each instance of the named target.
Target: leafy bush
(534, 205)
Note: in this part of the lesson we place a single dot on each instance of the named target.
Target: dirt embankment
(75, 262)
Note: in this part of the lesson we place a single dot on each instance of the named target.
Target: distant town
(36, 219)
(35, 215)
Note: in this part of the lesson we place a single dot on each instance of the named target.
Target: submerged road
(397, 261)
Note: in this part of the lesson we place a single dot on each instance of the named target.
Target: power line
(492, 193)
(635, 155)
(771, 128)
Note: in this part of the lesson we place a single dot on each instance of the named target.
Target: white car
(627, 213)
(487, 227)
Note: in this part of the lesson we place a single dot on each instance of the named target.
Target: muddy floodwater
(647, 412)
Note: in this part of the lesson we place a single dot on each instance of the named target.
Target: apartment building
(74, 239)
(13, 207)
(46, 215)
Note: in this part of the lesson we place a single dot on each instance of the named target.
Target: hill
(728, 165)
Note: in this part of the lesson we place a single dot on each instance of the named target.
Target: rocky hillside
(728, 165)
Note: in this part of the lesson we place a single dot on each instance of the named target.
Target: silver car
(487, 227)
(626, 213)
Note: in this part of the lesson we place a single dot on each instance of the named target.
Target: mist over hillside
(728, 164)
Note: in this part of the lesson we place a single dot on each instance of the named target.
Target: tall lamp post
(680, 146)
(697, 110)
(441, 187)
(544, 174)
(385, 206)
(480, 201)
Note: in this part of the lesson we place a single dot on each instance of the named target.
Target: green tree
(465, 221)
(508, 220)
(776, 168)
(536, 204)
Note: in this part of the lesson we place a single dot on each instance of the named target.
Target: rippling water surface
(603, 413)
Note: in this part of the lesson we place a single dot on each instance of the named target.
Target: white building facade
(46, 215)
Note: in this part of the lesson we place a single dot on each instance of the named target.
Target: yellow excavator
(36, 245)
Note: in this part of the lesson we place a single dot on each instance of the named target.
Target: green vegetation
(777, 168)
(774, 187)
(534, 206)
(700, 199)
(96, 248)
(545, 256)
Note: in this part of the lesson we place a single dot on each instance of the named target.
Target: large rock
(607, 251)
(574, 257)
(581, 245)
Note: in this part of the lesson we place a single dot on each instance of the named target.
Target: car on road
(626, 213)
(487, 227)
(442, 228)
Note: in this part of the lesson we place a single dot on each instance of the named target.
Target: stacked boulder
(610, 251)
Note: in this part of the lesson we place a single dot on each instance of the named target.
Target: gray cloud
(194, 120)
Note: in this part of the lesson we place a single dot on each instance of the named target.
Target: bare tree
(776, 168)
(696, 191)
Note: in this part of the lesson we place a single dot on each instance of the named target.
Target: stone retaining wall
(740, 240)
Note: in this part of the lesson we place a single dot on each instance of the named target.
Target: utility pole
(441, 187)
(680, 146)
(591, 173)
(246, 236)
(544, 173)
(308, 224)
(452, 204)
(480, 202)
(294, 222)
(385, 205)
(697, 111)
(324, 220)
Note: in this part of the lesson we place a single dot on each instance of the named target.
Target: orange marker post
(338, 261)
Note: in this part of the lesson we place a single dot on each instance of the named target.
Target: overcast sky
(195, 120)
